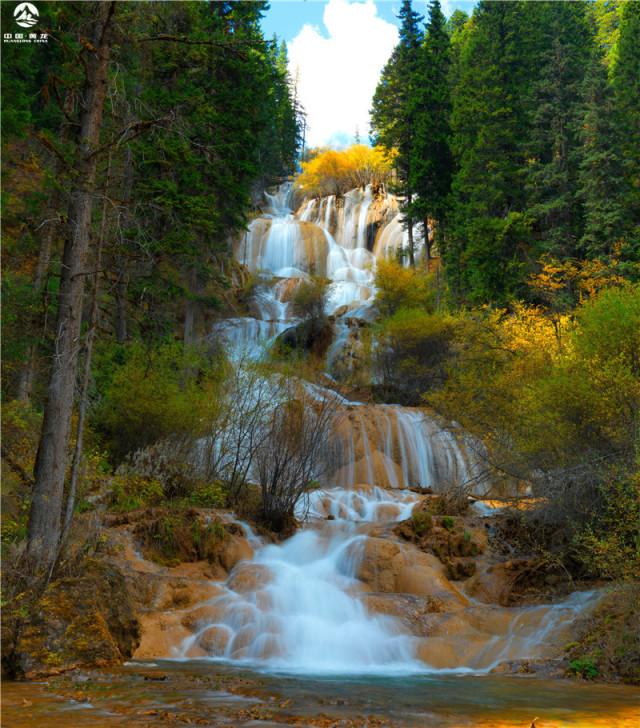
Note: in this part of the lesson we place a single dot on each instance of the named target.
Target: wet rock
(494, 583)
(415, 613)
(234, 549)
(309, 336)
(389, 567)
(248, 578)
(214, 640)
(201, 616)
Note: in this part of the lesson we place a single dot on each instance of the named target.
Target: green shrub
(209, 495)
(163, 391)
(181, 535)
(130, 492)
(422, 523)
(448, 522)
(398, 287)
(584, 667)
(308, 299)
(609, 544)
(416, 347)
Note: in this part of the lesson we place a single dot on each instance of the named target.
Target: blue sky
(285, 18)
(337, 49)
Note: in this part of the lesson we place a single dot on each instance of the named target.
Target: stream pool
(213, 694)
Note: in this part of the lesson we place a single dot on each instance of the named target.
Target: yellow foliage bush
(332, 172)
(399, 287)
(556, 399)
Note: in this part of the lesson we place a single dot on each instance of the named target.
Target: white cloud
(338, 72)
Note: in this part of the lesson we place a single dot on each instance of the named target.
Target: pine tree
(394, 111)
(600, 177)
(431, 165)
(552, 204)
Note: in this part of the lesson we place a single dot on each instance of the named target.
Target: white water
(298, 607)
(320, 238)
(294, 608)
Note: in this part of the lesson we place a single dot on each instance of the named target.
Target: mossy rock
(309, 337)
(80, 621)
(460, 569)
(171, 537)
(608, 645)
(443, 536)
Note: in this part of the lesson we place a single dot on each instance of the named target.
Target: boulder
(79, 621)
(309, 336)
(387, 566)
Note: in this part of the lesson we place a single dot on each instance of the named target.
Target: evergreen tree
(395, 109)
(601, 177)
(626, 84)
(280, 140)
(456, 22)
(226, 99)
(552, 204)
(431, 163)
(486, 231)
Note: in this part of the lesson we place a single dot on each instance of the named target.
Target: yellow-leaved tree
(331, 172)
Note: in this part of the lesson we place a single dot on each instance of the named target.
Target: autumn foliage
(331, 172)
(551, 388)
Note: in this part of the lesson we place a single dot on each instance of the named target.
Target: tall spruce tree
(486, 232)
(626, 84)
(601, 181)
(431, 159)
(395, 108)
(552, 203)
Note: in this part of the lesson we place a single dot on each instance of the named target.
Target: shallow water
(202, 693)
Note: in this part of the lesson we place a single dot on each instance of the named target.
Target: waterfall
(330, 598)
(295, 245)
(401, 447)
(294, 608)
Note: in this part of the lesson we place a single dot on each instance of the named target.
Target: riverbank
(212, 694)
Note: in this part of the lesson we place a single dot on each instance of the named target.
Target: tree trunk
(27, 373)
(51, 461)
(428, 242)
(412, 259)
(191, 309)
(121, 306)
(86, 376)
(121, 260)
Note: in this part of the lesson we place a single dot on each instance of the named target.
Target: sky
(337, 49)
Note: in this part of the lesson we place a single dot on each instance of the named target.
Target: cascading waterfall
(295, 608)
(294, 245)
(400, 447)
(302, 606)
